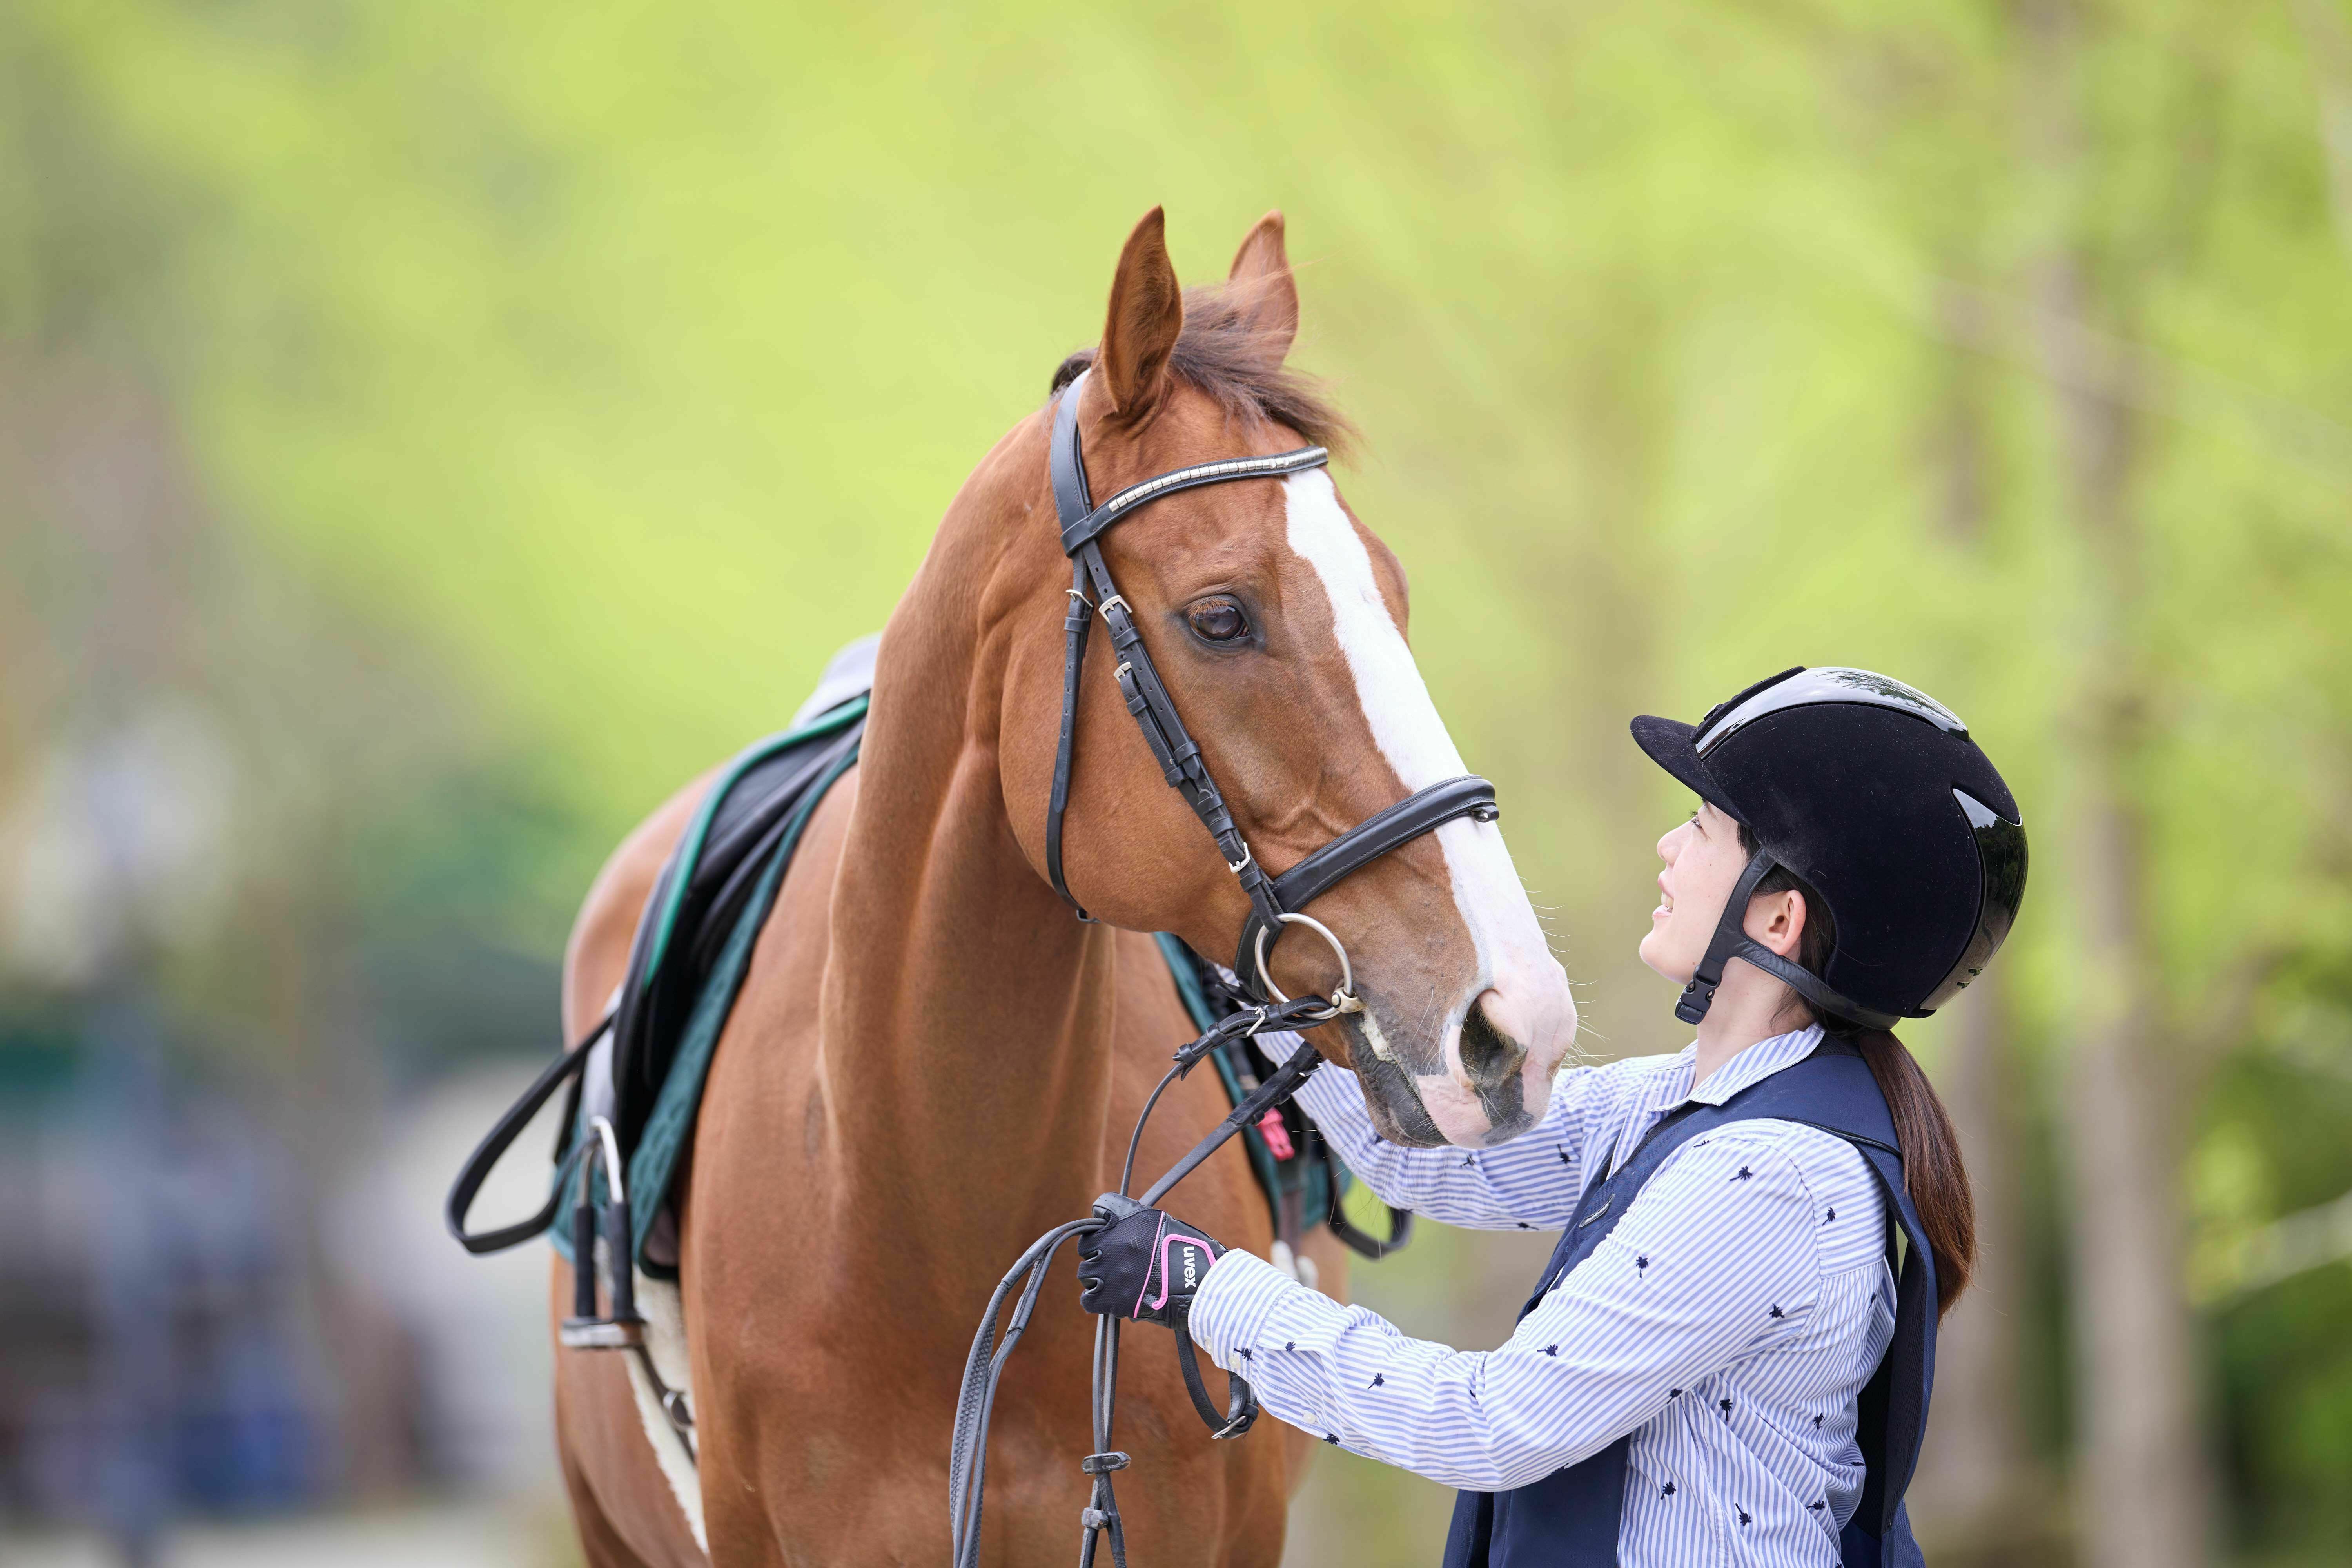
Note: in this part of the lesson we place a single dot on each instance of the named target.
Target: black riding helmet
(1876, 797)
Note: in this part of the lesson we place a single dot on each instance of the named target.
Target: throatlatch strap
(1067, 467)
(1075, 626)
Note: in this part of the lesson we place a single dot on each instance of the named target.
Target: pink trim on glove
(1165, 1244)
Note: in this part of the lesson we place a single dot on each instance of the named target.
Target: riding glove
(1144, 1264)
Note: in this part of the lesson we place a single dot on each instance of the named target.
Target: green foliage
(619, 361)
(2275, 1146)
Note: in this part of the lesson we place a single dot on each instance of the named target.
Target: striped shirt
(1727, 1323)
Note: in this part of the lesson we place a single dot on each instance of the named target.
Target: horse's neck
(967, 1015)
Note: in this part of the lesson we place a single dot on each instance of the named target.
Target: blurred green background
(428, 433)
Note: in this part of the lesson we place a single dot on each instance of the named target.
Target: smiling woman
(1723, 1359)
(1706, 859)
(1705, 853)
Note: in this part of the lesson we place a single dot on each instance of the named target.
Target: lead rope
(984, 1367)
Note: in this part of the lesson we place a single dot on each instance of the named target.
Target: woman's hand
(1144, 1264)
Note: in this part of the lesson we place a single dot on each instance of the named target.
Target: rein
(984, 1368)
(1274, 905)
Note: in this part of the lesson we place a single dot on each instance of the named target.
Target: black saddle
(640, 1070)
(748, 825)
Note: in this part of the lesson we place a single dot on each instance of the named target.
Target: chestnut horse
(931, 1061)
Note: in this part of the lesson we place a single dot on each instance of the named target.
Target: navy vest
(1569, 1518)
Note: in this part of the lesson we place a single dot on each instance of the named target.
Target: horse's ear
(1146, 311)
(1261, 283)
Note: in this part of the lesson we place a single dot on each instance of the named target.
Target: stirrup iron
(622, 1328)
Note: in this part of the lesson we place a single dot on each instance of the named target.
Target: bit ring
(1343, 1000)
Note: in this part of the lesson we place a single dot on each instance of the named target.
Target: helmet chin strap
(1731, 940)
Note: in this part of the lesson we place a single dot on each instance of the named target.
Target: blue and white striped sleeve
(1530, 1183)
(1716, 1255)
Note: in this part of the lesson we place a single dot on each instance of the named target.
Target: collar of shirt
(1753, 1064)
(1673, 1087)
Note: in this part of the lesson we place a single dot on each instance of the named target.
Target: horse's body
(931, 1062)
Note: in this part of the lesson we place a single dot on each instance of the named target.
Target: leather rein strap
(1094, 592)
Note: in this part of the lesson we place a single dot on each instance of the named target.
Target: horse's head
(1277, 622)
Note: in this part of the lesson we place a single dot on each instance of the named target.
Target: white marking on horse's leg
(1514, 960)
(659, 1303)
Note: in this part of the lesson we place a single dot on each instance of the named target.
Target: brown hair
(1933, 1171)
(1222, 353)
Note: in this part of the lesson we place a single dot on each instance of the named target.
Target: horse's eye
(1218, 620)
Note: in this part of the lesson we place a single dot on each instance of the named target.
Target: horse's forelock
(1222, 353)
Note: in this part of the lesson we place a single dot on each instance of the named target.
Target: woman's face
(1704, 860)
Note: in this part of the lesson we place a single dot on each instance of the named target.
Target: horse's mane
(1221, 352)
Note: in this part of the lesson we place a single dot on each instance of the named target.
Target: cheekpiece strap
(1140, 686)
(1093, 592)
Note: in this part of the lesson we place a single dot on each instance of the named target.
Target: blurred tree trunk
(2327, 39)
(1979, 1498)
(2143, 1491)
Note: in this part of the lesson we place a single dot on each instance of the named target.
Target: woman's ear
(1777, 921)
(1146, 311)
(1268, 295)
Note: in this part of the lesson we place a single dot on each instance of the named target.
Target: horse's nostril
(1488, 1055)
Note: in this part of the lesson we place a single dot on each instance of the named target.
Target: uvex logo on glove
(1143, 1264)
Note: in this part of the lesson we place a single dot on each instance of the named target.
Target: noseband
(1274, 900)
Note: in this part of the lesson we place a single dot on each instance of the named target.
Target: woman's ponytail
(1932, 1168)
(1933, 1172)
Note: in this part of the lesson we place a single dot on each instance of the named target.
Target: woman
(1724, 1362)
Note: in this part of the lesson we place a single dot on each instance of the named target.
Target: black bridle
(1273, 903)
(1274, 900)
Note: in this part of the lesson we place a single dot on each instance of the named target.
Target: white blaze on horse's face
(1495, 1082)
